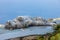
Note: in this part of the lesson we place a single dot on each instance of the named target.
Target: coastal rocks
(19, 22)
(24, 22)
(39, 21)
(10, 25)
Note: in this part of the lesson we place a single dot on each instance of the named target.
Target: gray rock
(26, 21)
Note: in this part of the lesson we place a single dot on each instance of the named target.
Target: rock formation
(26, 21)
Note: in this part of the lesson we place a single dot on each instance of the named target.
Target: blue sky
(10, 9)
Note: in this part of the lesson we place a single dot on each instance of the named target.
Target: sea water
(10, 9)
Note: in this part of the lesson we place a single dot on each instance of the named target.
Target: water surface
(10, 9)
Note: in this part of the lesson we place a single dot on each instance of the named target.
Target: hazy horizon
(10, 9)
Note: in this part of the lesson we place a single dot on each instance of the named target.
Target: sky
(9, 9)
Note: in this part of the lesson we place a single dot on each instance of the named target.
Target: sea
(10, 9)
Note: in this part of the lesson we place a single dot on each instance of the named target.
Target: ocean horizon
(10, 9)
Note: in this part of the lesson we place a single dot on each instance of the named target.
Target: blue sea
(9, 9)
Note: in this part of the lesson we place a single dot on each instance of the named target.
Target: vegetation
(54, 36)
